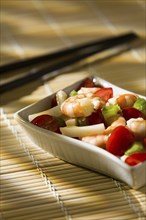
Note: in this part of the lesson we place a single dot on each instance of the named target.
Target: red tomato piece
(135, 159)
(130, 112)
(119, 140)
(105, 93)
(47, 122)
(95, 118)
(87, 83)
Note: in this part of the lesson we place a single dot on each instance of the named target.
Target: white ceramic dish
(78, 152)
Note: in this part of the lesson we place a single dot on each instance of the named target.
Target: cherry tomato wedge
(47, 122)
(119, 141)
(105, 93)
(135, 159)
(130, 112)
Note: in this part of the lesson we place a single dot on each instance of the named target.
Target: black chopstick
(37, 73)
(52, 56)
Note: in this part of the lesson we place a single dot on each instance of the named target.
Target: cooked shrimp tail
(97, 140)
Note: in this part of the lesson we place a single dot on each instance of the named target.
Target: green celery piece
(140, 104)
(73, 93)
(135, 148)
(110, 111)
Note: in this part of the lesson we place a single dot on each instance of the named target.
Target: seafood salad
(95, 115)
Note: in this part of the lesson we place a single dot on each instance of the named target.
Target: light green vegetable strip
(73, 93)
(135, 148)
(140, 104)
(110, 111)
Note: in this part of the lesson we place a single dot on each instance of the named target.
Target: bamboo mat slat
(34, 184)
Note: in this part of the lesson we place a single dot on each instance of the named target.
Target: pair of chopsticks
(68, 57)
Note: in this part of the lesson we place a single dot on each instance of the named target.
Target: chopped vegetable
(95, 118)
(135, 159)
(140, 104)
(47, 122)
(105, 93)
(109, 112)
(136, 147)
(73, 92)
(119, 141)
(130, 112)
(88, 82)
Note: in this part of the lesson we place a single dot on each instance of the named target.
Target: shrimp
(97, 140)
(80, 105)
(120, 121)
(88, 92)
(126, 100)
(77, 106)
(137, 126)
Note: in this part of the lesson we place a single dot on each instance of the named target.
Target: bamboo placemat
(34, 184)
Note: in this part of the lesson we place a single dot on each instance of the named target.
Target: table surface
(34, 184)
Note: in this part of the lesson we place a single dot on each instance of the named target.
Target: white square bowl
(77, 152)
